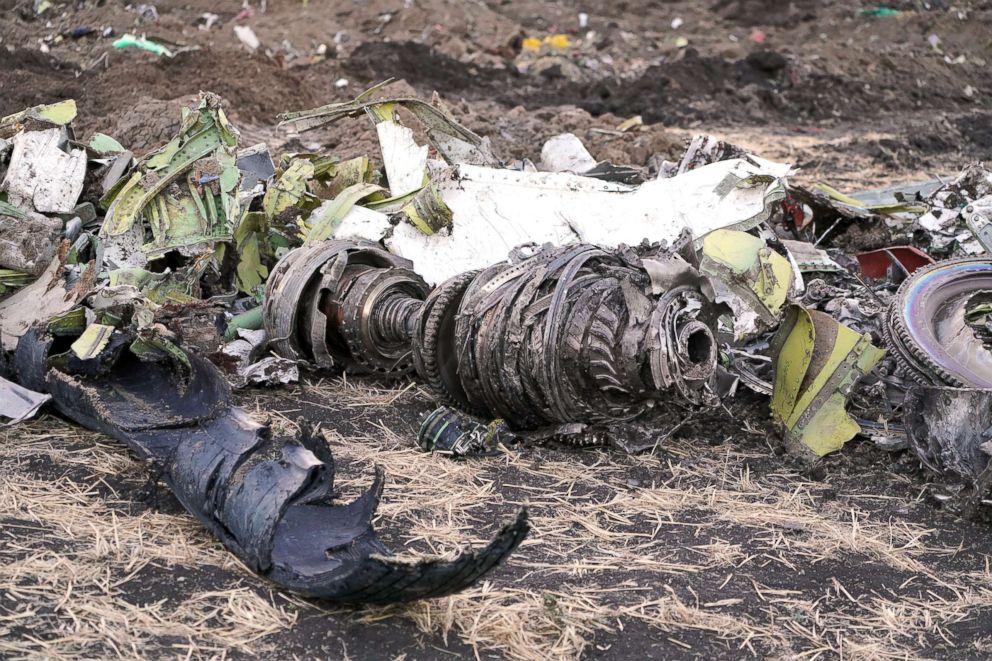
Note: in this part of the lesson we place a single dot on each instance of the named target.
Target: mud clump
(150, 124)
(777, 13)
(694, 86)
(425, 68)
(977, 129)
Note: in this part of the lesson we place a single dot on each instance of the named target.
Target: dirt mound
(29, 77)
(765, 84)
(254, 88)
(977, 129)
(692, 86)
(781, 13)
(426, 69)
(134, 106)
(150, 124)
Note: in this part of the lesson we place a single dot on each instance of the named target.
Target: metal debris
(701, 150)
(751, 277)
(467, 212)
(344, 304)
(454, 142)
(248, 364)
(926, 325)
(470, 216)
(186, 193)
(18, 404)
(572, 334)
(52, 114)
(28, 240)
(270, 502)
(44, 172)
(818, 363)
(447, 430)
(956, 212)
(46, 297)
(950, 431)
(893, 263)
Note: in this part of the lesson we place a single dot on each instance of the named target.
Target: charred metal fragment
(345, 304)
(950, 432)
(573, 334)
(449, 431)
(270, 502)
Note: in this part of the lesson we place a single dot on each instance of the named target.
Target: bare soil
(715, 546)
(857, 99)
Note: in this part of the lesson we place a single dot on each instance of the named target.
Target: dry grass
(73, 557)
(697, 550)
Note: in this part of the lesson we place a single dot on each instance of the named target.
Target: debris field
(509, 330)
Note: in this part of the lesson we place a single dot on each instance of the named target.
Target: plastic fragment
(566, 153)
(247, 37)
(553, 41)
(878, 11)
(131, 41)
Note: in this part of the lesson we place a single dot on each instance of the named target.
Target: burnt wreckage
(344, 303)
(117, 318)
(270, 501)
(552, 337)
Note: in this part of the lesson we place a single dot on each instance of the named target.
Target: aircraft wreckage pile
(570, 300)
